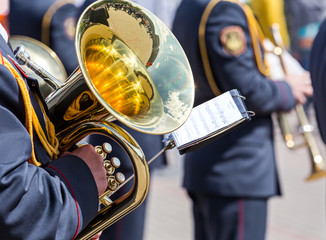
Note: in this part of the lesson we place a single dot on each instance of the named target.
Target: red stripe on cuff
(73, 196)
(281, 87)
(19, 68)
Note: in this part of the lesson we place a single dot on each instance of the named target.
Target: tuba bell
(131, 69)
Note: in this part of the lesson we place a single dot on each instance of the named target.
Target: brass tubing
(128, 202)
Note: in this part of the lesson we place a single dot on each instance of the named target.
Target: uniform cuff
(77, 177)
(288, 100)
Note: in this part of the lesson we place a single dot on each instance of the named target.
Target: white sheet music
(207, 119)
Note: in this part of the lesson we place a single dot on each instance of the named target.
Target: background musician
(231, 179)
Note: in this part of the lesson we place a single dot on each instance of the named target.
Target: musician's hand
(95, 163)
(300, 85)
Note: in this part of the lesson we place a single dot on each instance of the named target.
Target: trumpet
(316, 159)
(131, 69)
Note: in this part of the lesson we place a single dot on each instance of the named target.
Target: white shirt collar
(3, 33)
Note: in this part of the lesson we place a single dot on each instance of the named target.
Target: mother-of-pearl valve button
(120, 177)
(115, 162)
(107, 147)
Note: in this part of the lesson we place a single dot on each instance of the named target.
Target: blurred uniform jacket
(52, 22)
(241, 163)
(54, 201)
(317, 70)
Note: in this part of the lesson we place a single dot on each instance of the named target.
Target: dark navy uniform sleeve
(239, 70)
(317, 70)
(25, 17)
(51, 202)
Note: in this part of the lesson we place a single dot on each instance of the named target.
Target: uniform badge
(233, 40)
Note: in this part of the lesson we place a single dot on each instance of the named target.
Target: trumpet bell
(45, 56)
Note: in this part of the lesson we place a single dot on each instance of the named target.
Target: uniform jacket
(317, 71)
(54, 201)
(60, 34)
(241, 163)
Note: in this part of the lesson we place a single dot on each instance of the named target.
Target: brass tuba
(131, 69)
